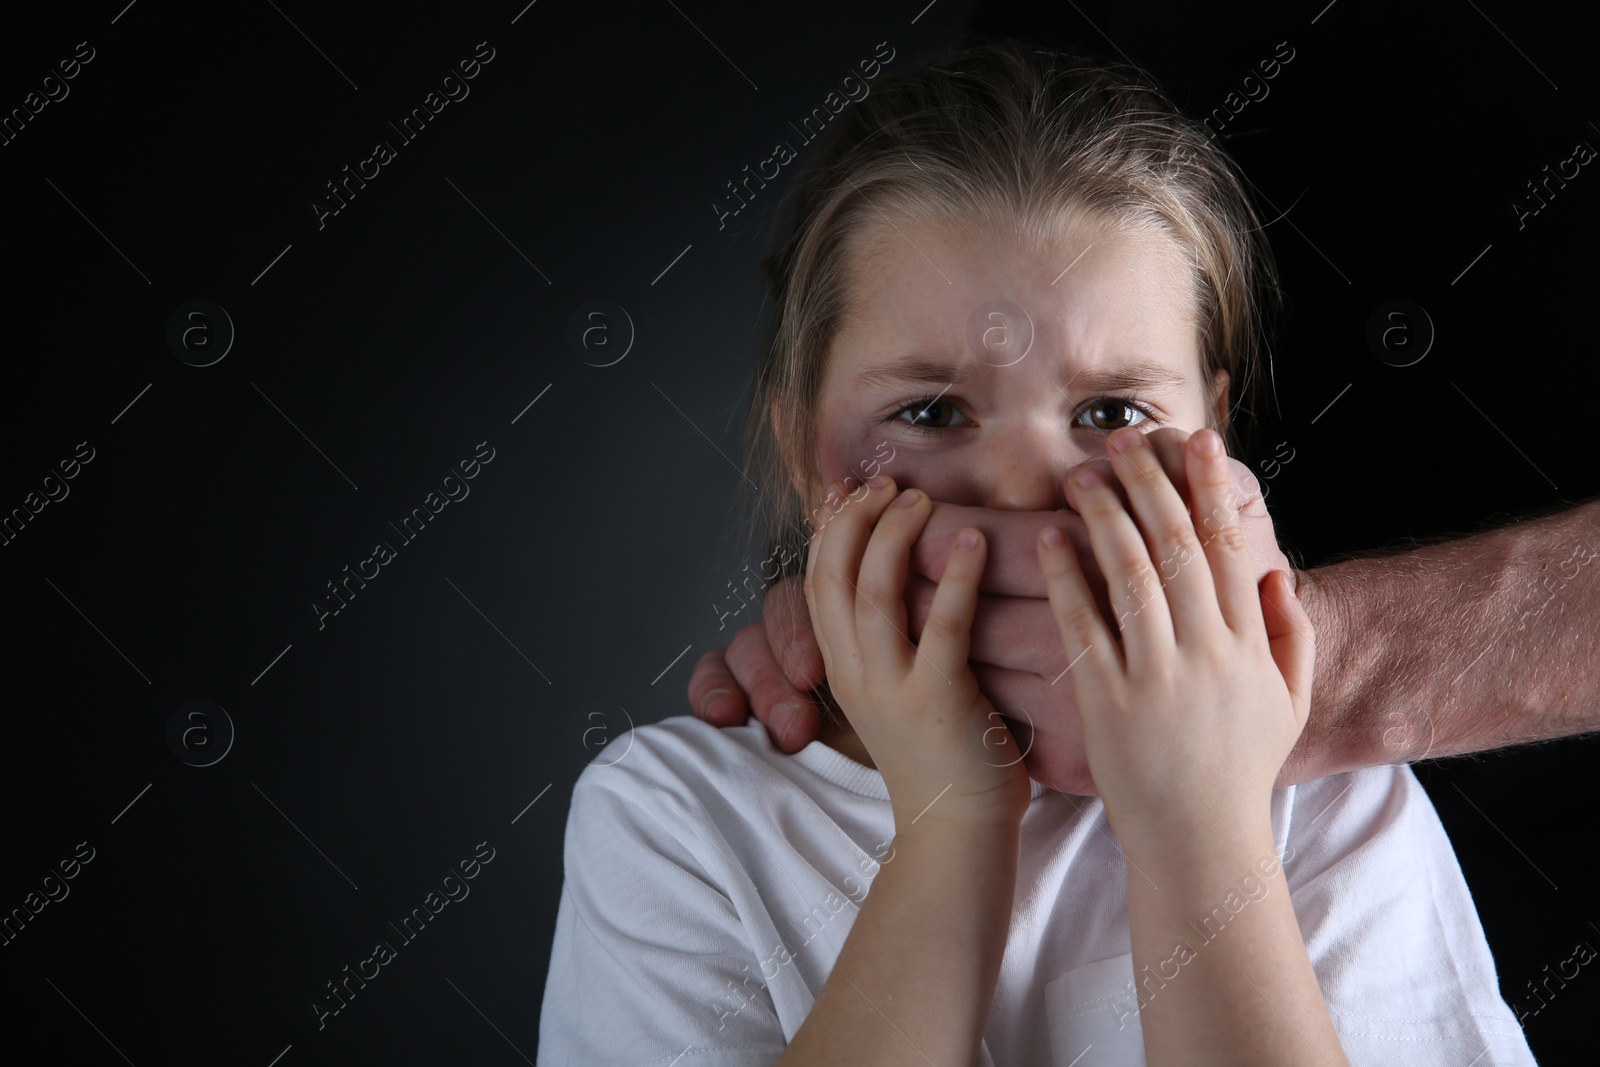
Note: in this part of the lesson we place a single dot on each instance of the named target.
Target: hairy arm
(1457, 646)
(1462, 645)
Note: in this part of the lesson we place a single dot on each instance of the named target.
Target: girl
(1002, 264)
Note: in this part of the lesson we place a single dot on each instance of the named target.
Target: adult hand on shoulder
(771, 666)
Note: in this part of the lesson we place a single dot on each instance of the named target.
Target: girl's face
(1034, 357)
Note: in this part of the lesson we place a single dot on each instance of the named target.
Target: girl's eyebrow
(916, 369)
(1132, 374)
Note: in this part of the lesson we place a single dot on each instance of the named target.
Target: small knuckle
(1232, 539)
(942, 627)
(1218, 474)
(1102, 504)
(1220, 517)
(875, 590)
(1146, 462)
(893, 522)
(1140, 573)
(1178, 535)
(1081, 621)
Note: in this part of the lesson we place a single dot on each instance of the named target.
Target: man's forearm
(1461, 646)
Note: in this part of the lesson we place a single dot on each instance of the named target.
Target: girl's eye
(1114, 408)
(928, 414)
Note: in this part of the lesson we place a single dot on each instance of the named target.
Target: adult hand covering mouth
(772, 666)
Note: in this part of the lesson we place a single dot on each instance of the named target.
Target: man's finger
(1013, 567)
(714, 693)
(789, 634)
(792, 718)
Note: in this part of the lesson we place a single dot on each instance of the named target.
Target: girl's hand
(1191, 708)
(943, 750)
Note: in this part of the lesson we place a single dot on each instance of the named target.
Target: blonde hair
(998, 133)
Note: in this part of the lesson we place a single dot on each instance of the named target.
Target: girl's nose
(1029, 481)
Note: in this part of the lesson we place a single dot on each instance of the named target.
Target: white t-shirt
(711, 881)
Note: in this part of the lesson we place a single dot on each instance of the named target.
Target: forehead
(1089, 286)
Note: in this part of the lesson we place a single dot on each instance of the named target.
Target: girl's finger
(947, 635)
(1084, 637)
(837, 564)
(1169, 533)
(823, 605)
(881, 586)
(1216, 509)
(1140, 606)
(1169, 442)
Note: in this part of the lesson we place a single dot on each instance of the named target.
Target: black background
(575, 584)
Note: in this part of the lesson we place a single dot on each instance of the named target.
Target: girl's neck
(842, 738)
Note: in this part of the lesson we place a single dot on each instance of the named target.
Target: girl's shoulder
(1387, 786)
(678, 748)
(1390, 925)
(1372, 818)
(720, 803)
(685, 759)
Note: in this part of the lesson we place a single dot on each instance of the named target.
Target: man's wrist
(1338, 736)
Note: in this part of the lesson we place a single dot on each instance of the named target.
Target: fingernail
(907, 498)
(967, 539)
(1208, 443)
(711, 698)
(1053, 536)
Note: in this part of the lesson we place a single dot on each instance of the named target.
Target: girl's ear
(1220, 382)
